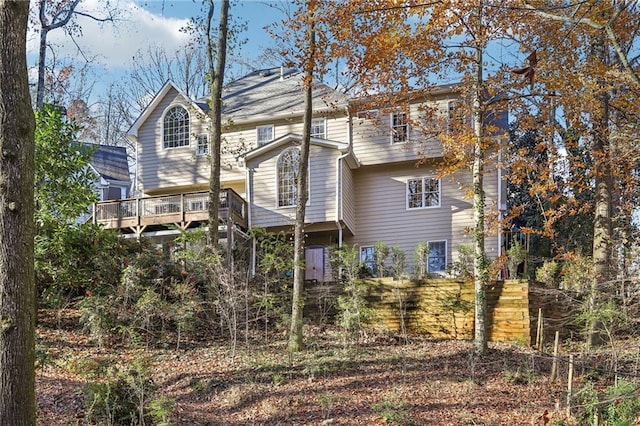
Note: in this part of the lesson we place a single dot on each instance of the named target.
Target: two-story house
(365, 184)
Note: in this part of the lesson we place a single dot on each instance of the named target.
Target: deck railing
(168, 209)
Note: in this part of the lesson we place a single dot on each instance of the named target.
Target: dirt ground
(381, 380)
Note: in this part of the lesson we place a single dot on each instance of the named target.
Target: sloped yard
(383, 380)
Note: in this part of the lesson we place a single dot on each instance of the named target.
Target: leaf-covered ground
(382, 380)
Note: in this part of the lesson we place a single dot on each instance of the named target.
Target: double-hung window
(319, 128)
(423, 192)
(203, 145)
(175, 129)
(437, 259)
(399, 127)
(264, 134)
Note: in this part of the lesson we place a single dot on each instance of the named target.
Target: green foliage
(274, 254)
(352, 307)
(618, 405)
(72, 259)
(125, 396)
(97, 317)
(398, 262)
(463, 267)
(548, 274)
(516, 254)
(380, 255)
(420, 257)
(160, 410)
(577, 273)
(155, 294)
(392, 410)
(64, 182)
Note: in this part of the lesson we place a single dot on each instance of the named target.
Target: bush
(73, 259)
(380, 254)
(617, 406)
(398, 262)
(124, 396)
(352, 307)
(420, 257)
(548, 274)
(463, 267)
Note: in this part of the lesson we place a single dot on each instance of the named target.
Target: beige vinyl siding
(322, 196)
(348, 197)
(372, 140)
(245, 136)
(382, 214)
(180, 169)
(162, 168)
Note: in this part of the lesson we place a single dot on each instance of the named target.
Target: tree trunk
(215, 129)
(601, 253)
(295, 335)
(17, 288)
(480, 272)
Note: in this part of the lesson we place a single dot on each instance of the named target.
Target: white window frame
(423, 193)
(260, 142)
(395, 136)
(202, 149)
(295, 198)
(446, 257)
(185, 135)
(319, 122)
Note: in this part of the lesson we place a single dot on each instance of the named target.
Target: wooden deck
(181, 210)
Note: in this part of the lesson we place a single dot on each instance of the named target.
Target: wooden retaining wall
(444, 308)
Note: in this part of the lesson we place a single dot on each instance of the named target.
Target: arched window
(288, 177)
(176, 128)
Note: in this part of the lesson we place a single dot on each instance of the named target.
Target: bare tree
(216, 74)
(55, 14)
(17, 281)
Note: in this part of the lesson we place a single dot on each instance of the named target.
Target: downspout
(249, 185)
(339, 178)
(502, 207)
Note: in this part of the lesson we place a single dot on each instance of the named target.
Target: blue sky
(143, 23)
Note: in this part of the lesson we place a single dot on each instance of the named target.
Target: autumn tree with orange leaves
(401, 50)
(585, 107)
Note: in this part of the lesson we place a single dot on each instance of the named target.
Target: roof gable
(292, 137)
(166, 88)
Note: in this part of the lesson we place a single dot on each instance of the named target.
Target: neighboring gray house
(111, 167)
(365, 184)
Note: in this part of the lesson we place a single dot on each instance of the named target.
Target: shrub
(577, 273)
(516, 254)
(617, 406)
(420, 257)
(548, 273)
(124, 396)
(463, 267)
(398, 262)
(352, 307)
(380, 254)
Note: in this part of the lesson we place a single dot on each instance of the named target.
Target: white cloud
(114, 44)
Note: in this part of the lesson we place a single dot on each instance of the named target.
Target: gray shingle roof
(274, 92)
(111, 162)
